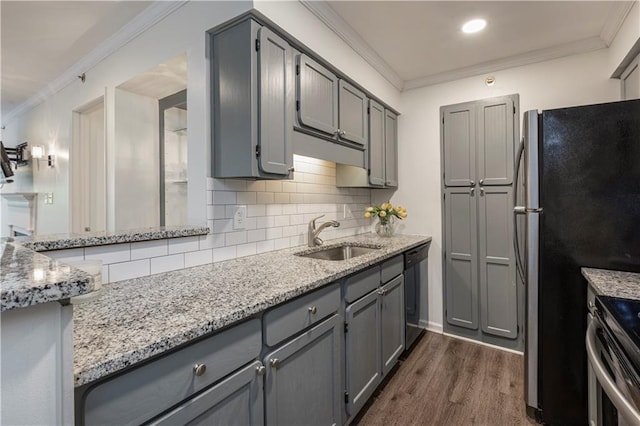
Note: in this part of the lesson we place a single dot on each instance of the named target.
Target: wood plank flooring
(447, 381)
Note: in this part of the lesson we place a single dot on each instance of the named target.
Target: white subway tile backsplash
(211, 241)
(264, 246)
(281, 220)
(224, 197)
(210, 183)
(147, 249)
(67, 255)
(281, 197)
(296, 198)
(209, 198)
(273, 233)
(288, 187)
(264, 198)
(257, 186)
(256, 210)
(167, 263)
(224, 253)
(296, 219)
(184, 244)
(229, 185)
(250, 223)
(274, 209)
(129, 270)
(246, 250)
(256, 235)
(246, 198)
(217, 212)
(196, 258)
(222, 225)
(265, 222)
(273, 186)
(235, 238)
(113, 253)
(289, 209)
(281, 243)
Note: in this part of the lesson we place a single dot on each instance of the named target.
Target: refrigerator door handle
(518, 210)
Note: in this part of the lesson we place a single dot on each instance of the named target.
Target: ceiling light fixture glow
(474, 26)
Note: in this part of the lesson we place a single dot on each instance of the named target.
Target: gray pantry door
(376, 143)
(392, 317)
(276, 103)
(353, 113)
(461, 242)
(363, 349)
(317, 96)
(459, 144)
(236, 401)
(303, 381)
(498, 296)
(391, 148)
(496, 141)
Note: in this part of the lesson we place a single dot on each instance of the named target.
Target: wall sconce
(37, 153)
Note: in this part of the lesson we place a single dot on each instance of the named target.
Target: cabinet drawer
(292, 317)
(392, 268)
(361, 283)
(142, 393)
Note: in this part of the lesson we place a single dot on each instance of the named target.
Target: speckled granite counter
(613, 283)
(66, 241)
(136, 319)
(29, 278)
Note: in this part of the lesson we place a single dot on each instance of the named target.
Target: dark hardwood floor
(447, 381)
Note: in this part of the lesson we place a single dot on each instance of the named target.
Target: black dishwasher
(415, 282)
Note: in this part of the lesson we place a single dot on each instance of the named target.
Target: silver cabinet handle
(199, 369)
(382, 292)
(337, 132)
(313, 309)
(473, 191)
(591, 305)
(481, 191)
(481, 182)
(274, 362)
(343, 133)
(625, 408)
(261, 370)
(291, 169)
(472, 183)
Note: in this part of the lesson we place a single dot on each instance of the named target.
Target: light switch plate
(48, 198)
(346, 212)
(239, 217)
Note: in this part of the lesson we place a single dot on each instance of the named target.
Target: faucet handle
(313, 221)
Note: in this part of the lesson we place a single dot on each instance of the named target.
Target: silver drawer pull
(274, 362)
(291, 169)
(313, 310)
(382, 292)
(591, 305)
(261, 370)
(199, 369)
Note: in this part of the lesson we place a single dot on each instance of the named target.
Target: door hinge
(514, 109)
(368, 172)
(297, 105)
(443, 119)
(368, 110)
(346, 327)
(297, 69)
(346, 397)
(257, 45)
(257, 150)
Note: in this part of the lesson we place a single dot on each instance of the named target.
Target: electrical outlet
(346, 212)
(239, 217)
(48, 198)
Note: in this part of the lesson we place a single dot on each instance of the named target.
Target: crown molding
(342, 29)
(541, 55)
(157, 11)
(614, 21)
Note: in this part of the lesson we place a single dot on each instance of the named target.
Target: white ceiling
(412, 43)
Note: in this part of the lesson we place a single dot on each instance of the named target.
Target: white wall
(137, 165)
(49, 123)
(575, 80)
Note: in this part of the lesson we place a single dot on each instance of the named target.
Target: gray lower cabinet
(392, 322)
(303, 383)
(253, 98)
(142, 393)
(236, 401)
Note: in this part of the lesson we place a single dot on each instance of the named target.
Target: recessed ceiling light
(474, 26)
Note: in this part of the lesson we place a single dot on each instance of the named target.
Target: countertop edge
(613, 283)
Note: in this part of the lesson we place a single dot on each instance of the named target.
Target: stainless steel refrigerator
(579, 206)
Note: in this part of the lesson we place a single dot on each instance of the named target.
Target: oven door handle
(624, 407)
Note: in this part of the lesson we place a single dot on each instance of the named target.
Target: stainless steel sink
(339, 253)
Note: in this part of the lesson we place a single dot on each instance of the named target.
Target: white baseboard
(466, 339)
(436, 327)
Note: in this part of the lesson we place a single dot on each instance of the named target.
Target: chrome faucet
(313, 233)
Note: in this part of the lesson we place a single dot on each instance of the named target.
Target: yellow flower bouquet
(385, 213)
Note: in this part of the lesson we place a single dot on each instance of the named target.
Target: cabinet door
(363, 346)
(496, 140)
(391, 148)
(376, 143)
(275, 88)
(353, 113)
(461, 260)
(236, 401)
(317, 96)
(498, 296)
(392, 317)
(459, 144)
(303, 381)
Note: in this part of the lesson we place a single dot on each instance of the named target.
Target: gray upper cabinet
(376, 144)
(303, 380)
(253, 100)
(391, 148)
(495, 133)
(498, 296)
(461, 258)
(317, 96)
(353, 113)
(459, 144)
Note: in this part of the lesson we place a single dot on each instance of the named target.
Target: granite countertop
(613, 283)
(28, 278)
(66, 241)
(136, 319)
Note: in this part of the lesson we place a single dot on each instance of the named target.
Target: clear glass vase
(385, 227)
